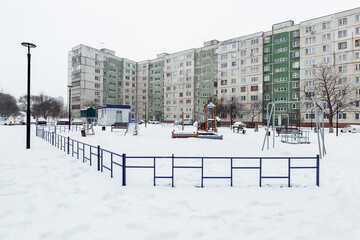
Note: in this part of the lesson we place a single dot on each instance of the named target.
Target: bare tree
(8, 105)
(42, 106)
(255, 109)
(329, 86)
(233, 107)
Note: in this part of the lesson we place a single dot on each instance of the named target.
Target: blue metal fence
(89, 152)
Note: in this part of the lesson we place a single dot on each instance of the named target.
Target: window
(357, 18)
(296, 75)
(254, 60)
(342, 45)
(342, 68)
(254, 97)
(310, 62)
(326, 59)
(243, 89)
(267, 40)
(310, 72)
(326, 25)
(254, 88)
(254, 79)
(357, 43)
(233, 64)
(295, 85)
(342, 33)
(254, 41)
(266, 49)
(309, 51)
(357, 30)
(309, 40)
(326, 37)
(296, 33)
(266, 78)
(243, 53)
(233, 80)
(342, 21)
(310, 29)
(267, 59)
(266, 97)
(342, 115)
(223, 65)
(223, 82)
(357, 67)
(254, 51)
(254, 69)
(342, 57)
(342, 80)
(266, 68)
(296, 43)
(223, 56)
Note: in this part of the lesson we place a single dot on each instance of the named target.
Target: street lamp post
(70, 106)
(28, 45)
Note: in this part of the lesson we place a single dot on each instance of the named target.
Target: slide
(131, 129)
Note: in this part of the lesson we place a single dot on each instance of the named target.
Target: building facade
(252, 70)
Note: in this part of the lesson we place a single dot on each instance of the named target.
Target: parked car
(351, 128)
(153, 122)
(250, 125)
(77, 121)
(239, 124)
(188, 121)
(63, 121)
(5, 121)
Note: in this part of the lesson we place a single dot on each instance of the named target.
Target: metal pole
(28, 103)
(337, 118)
(28, 45)
(69, 107)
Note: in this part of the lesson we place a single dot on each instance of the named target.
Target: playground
(61, 187)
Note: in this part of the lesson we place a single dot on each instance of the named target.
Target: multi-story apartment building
(206, 65)
(282, 71)
(179, 72)
(253, 70)
(332, 41)
(240, 75)
(99, 77)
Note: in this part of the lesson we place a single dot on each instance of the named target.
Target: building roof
(115, 106)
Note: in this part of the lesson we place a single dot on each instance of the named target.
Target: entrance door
(118, 117)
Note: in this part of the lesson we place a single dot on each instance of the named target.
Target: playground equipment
(206, 129)
(89, 114)
(297, 138)
(133, 125)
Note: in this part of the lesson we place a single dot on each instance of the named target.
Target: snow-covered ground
(47, 194)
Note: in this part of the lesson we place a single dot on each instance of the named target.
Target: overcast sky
(134, 29)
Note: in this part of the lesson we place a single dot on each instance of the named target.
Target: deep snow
(47, 194)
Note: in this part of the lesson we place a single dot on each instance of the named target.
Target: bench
(119, 125)
(239, 129)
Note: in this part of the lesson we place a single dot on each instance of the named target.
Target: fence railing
(108, 160)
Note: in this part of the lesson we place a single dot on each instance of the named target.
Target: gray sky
(135, 29)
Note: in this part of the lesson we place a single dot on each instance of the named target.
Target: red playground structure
(206, 129)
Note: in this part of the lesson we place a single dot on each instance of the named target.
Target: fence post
(202, 172)
(68, 143)
(318, 170)
(231, 174)
(124, 169)
(260, 172)
(289, 172)
(98, 154)
(172, 170)
(52, 138)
